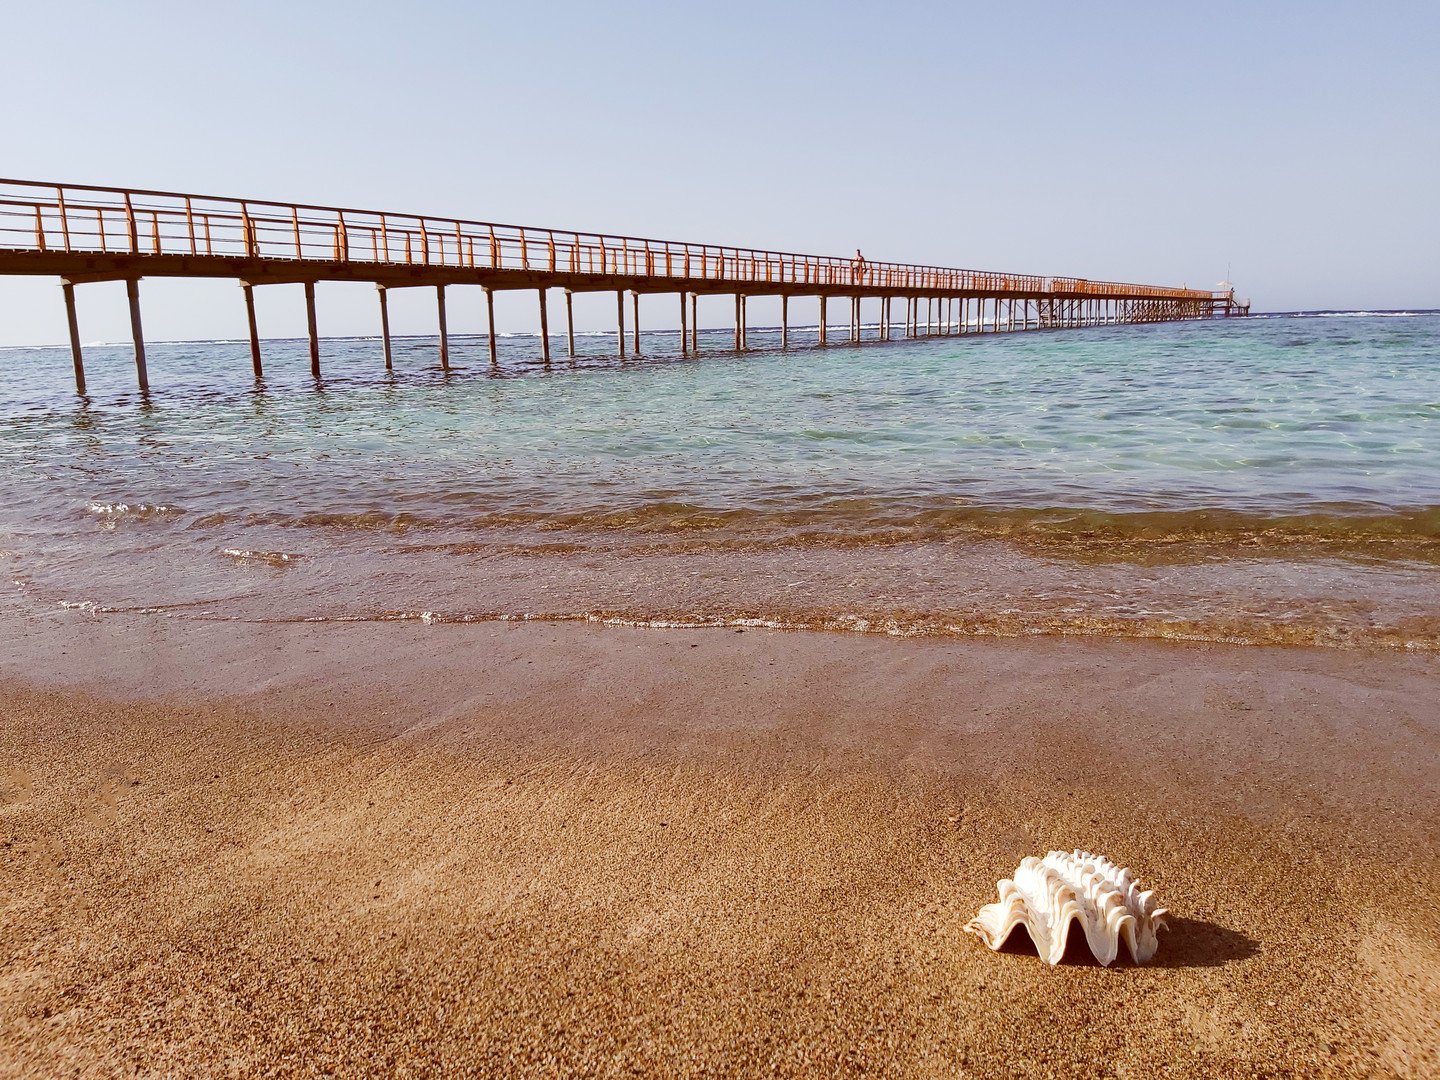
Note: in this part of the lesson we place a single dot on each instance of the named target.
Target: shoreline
(976, 590)
(531, 847)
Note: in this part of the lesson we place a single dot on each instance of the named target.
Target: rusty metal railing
(83, 219)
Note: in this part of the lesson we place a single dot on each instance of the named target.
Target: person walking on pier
(857, 266)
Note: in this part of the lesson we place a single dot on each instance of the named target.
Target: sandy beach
(533, 849)
(573, 540)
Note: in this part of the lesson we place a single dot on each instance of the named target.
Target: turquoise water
(1287, 450)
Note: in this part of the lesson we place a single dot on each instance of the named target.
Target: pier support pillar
(444, 330)
(695, 324)
(620, 321)
(684, 330)
(635, 317)
(885, 318)
(490, 317)
(570, 322)
(77, 358)
(784, 321)
(310, 325)
(385, 327)
(739, 323)
(132, 290)
(544, 327)
(255, 362)
(822, 320)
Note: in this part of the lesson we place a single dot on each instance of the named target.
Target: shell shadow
(1188, 943)
(1198, 943)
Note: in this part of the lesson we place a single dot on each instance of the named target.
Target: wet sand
(533, 849)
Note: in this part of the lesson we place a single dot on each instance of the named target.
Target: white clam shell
(1047, 896)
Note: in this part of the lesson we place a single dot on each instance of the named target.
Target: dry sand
(539, 850)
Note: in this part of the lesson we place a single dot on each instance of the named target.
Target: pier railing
(81, 219)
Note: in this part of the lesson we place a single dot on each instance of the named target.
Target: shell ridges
(1047, 896)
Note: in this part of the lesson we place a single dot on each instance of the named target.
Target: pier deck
(83, 234)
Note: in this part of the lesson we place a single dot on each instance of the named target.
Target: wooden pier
(85, 234)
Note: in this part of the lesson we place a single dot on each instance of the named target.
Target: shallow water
(1269, 479)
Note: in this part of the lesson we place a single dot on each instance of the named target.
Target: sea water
(1271, 479)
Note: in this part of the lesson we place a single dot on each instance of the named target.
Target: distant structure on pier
(83, 234)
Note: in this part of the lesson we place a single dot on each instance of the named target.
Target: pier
(84, 234)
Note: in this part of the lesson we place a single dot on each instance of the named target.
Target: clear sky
(1298, 143)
